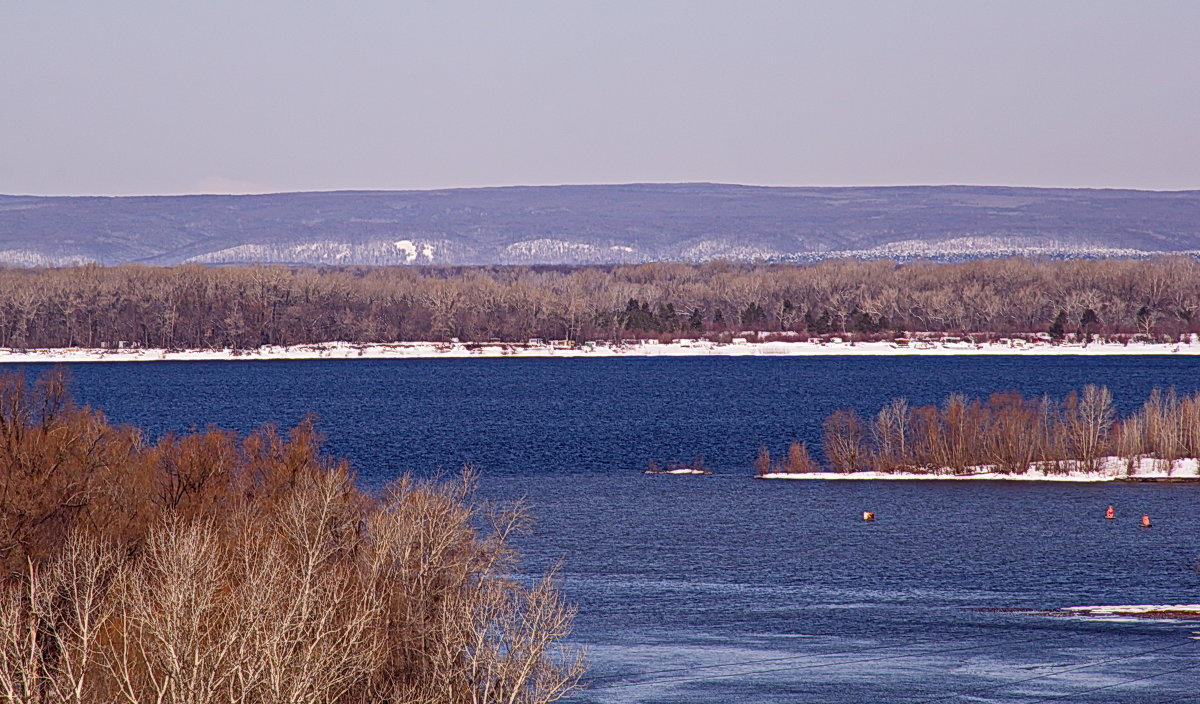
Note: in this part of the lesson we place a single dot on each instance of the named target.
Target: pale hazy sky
(137, 97)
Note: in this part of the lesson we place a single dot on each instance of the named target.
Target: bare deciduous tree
(1012, 434)
(245, 307)
(208, 569)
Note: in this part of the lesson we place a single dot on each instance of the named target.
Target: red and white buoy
(1109, 513)
(868, 515)
(1145, 520)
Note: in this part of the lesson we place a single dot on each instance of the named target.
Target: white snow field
(1110, 469)
(678, 470)
(1186, 612)
(650, 348)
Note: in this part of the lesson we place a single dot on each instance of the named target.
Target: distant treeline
(1008, 433)
(246, 307)
(210, 568)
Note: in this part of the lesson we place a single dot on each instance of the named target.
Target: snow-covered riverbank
(1111, 469)
(684, 348)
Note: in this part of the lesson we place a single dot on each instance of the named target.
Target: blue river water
(723, 588)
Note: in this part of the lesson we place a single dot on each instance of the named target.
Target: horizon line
(321, 191)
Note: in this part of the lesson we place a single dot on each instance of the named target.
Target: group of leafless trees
(212, 568)
(1011, 434)
(797, 461)
(195, 306)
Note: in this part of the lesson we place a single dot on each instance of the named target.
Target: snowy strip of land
(678, 470)
(682, 348)
(1186, 612)
(1110, 469)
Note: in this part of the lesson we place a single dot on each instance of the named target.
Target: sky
(239, 96)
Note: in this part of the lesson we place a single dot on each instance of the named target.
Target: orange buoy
(1145, 520)
(1109, 513)
(868, 515)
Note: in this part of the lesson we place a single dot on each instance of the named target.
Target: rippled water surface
(726, 589)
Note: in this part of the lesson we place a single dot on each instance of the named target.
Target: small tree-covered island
(1007, 436)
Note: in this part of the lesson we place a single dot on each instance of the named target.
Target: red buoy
(1145, 520)
(1109, 513)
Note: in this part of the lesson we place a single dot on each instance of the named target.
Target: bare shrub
(1012, 443)
(892, 434)
(845, 441)
(52, 624)
(254, 571)
(798, 459)
(762, 462)
(1088, 419)
(1129, 442)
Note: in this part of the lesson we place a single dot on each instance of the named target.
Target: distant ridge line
(631, 184)
(599, 224)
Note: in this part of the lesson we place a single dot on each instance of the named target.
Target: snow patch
(1109, 469)
(1180, 612)
(325, 252)
(678, 470)
(409, 249)
(706, 250)
(975, 247)
(1134, 608)
(688, 348)
(32, 258)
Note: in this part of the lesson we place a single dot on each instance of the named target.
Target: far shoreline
(640, 349)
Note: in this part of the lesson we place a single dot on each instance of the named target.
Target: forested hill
(597, 224)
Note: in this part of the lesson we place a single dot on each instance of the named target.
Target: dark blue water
(727, 589)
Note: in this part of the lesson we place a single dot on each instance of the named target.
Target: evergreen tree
(863, 322)
(1059, 326)
(818, 324)
(667, 318)
(754, 316)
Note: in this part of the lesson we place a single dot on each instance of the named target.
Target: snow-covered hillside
(598, 225)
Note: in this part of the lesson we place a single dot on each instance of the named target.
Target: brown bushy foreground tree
(212, 568)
